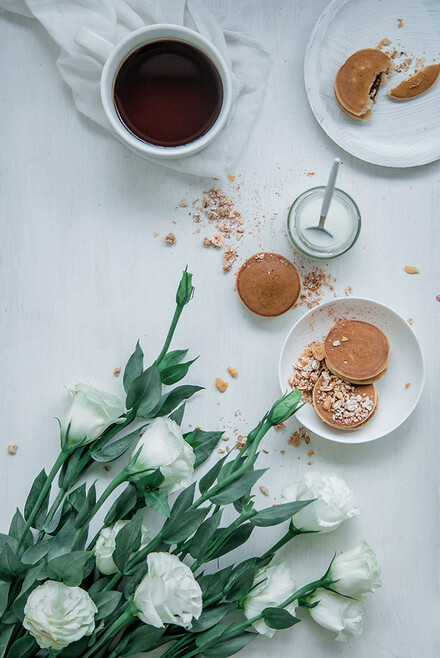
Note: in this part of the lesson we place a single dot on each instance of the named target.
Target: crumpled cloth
(247, 59)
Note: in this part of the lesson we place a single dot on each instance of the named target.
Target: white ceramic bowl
(396, 402)
(115, 55)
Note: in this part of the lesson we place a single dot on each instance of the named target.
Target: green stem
(64, 454)
(111, 631)
(222, 538)
(171, 330)
(119, 479)
(290, 534)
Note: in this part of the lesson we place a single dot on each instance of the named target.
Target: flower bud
(284, 407)
(185, 290)
(338, 613)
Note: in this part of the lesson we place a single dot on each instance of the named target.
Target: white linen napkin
(247, 59)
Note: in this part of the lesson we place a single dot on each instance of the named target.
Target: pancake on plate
(357, 351)
(359, 79)
(268, 284)
(342, 405)
(417, 84)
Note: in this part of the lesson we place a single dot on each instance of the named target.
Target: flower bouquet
(66, 591)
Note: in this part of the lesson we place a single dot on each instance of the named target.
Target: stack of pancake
(356, 356)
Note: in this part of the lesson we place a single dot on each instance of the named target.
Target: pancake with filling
(417, 84)
(353, 411)
(360, 382)
(359, 79)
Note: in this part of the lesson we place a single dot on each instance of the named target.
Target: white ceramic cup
(113, 56)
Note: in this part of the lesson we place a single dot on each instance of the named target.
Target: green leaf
(278, 514)
(99, 585)
(5, 636)
(212, 585)
(241, 580)
(178, 529)
(106, 602)
(144, 392)
(175, 373)
(69, 568)
(279, 618)
(110, 452)
(149, 481)
(238, 537)
(122, 506)
(209, 637)
(35, 491)
(211, 616)
(10, 565)
(230, 645)
(177, 415)
(144, 638)
(208, 480)
(202, 538)
(171, 400)
(4, 592)
(203, 443)
(29, 584)
(70, 472)
(134, 367)
(18, 524)
(238, 488)
(87, 506)
(23, 648)
(183, 501)
(171, 359)
(36, 552)
(128, 541)
(158, 500)
(76, 649)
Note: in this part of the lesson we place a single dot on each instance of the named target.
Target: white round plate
(402, 134)
(396, 402)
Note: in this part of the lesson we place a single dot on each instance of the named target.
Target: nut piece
(264, 490)
(231, 177)
(318, 351)
(411, 269)
(336, 343)
(327, 403)
(116, 372)
(170, 238)
(233, 371)
(221, 384)
(12, 448)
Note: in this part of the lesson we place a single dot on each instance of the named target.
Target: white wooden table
(83, 277)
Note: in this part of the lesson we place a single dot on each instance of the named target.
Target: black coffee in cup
(168, 93)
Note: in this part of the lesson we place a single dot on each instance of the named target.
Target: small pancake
(359, 79)
(360, 410)
(268, 284)
(417, 84)
(356, 350)
(359, 382)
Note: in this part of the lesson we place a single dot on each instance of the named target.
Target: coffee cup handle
(95, 45)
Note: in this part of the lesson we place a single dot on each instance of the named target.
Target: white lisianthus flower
(333, 505)
(90, 412)
(168, 594)
(164, 447)
(356, 571)
(338, 613)
(106, 544)
(272, 586)
(57, 615)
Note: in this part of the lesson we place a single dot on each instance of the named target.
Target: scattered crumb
(309, 463)
(221, 451)
(348, 291)
(310, 453)
(310, 174)
(221, 384)
(264, 490)
(229, 258)
(233, 371)
(231, 177)
(216, 241)
(241, 442)
(410, 320)
(336, 343)
(437, 298)
(301, 435)
(313, 282)
(225, 438)
(308, 369)
(116, 372)
(408, 384)
(283, 452)
(106, 468)
(280, 426)
(170, 238)
(183, 203)
(399, 22)
(266, 452)
(12, 448)
(155, 234)
(411, 269)
(383, 42)
(344, 339)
